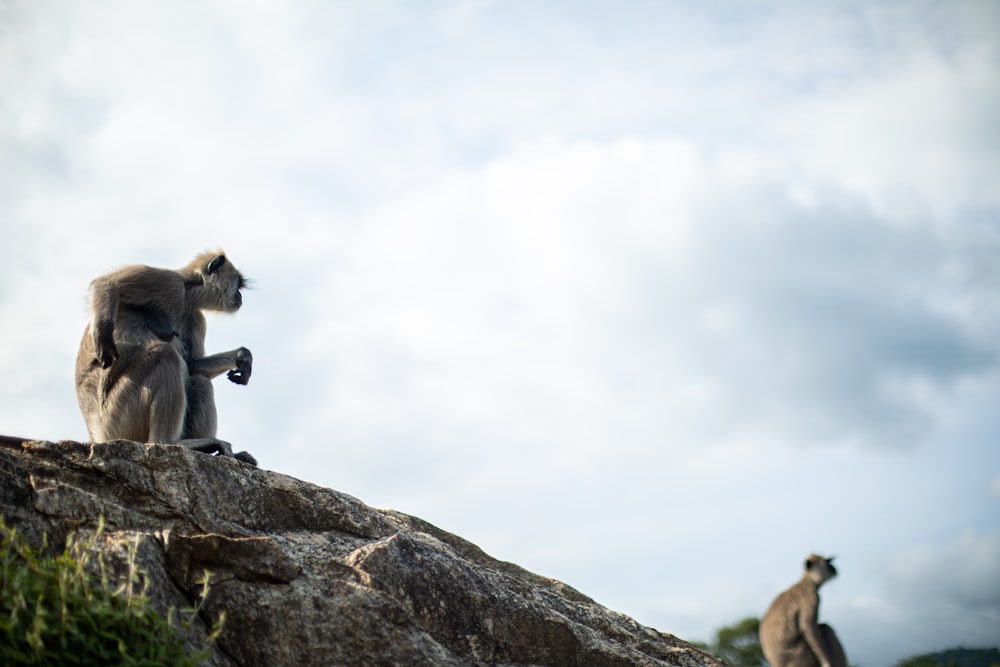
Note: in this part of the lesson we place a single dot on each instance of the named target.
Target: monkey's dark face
(820, 569)
(238, 292)
(235, 296)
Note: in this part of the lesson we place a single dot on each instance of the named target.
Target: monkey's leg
(798, 654)
(834, 650)
(201, 421)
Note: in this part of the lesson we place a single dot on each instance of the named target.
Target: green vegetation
(739, 644)
(955, 657)
(62, 610)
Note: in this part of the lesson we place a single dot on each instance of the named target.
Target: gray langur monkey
(790, 632)
(141, 372)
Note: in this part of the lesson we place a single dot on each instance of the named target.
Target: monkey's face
(229, 288)
(820, 569)
(225, 283)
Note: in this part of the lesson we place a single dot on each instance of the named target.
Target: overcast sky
(653, 298)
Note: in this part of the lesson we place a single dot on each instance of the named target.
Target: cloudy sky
(654, 298)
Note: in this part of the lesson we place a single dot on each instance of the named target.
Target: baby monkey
(141, 372)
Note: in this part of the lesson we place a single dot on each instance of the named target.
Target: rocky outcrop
(310, 576)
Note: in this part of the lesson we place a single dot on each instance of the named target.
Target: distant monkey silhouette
(141, 372)
(790, 633)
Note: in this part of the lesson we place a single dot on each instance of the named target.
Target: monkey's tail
(13, 442)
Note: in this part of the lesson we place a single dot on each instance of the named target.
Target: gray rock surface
(310, 576)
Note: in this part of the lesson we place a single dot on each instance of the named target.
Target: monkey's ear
(216, 264)
(809, 563)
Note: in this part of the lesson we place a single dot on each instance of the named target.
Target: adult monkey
(790, 632)
(141, 372)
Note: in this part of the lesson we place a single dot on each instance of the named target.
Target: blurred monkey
(141, 372)
(790, 632)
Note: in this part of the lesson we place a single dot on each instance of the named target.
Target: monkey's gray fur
(141, 372)
(790, 632)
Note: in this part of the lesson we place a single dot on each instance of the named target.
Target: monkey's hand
(105, 349)
(244, 365)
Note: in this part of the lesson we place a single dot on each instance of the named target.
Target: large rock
(307, 575)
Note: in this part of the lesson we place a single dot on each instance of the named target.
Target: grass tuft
(64, 610)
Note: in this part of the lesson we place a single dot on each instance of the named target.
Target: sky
(654, 298)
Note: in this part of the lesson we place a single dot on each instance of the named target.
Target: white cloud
(903, 141)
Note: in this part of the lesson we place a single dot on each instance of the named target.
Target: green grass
(62, 610)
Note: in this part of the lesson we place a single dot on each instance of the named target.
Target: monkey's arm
(238, 362)
(809, 626)
(104, 298)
